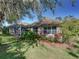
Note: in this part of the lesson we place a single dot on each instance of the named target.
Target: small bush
(0, 40)
(5, 31)
(31, 37)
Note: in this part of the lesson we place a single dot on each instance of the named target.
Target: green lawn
(8, 50)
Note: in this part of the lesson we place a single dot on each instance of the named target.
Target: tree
(15, 9)
(70, 28)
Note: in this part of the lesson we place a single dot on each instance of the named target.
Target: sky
(63, 11)
(66, 10)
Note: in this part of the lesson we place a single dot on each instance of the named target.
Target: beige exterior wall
(40, 31)
(58, 30)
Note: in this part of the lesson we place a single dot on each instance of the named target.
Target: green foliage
(11, 8)
(13, 17)
(71, 34)
(70, 28)
(5, 31)
(31, 37)
(0, 40)
(75, 50)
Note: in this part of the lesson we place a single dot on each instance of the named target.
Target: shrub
(5, 31)
(0, 40)
(70, 28)
(58, 37)
(31, 37)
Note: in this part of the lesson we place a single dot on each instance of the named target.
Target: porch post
(39, 31)
(51, 30)
(42, 30)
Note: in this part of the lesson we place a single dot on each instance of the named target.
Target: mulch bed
(51, 44)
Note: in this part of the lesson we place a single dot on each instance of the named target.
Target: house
(46, 27)
(43, 27)
(17, 28)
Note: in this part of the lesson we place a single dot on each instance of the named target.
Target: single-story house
(43, 27)
(46, 27)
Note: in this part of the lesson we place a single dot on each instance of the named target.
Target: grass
(75, 51)
(10, 49)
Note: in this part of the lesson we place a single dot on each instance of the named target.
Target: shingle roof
(42, 22)
(22, 23)
(47, 21)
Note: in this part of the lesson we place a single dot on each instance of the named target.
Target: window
(53, 30)
(49, 30)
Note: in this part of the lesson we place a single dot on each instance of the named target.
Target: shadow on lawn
(75, 52)
(5, 54)
(11, 49)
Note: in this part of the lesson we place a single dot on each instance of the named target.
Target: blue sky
(66, 10)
